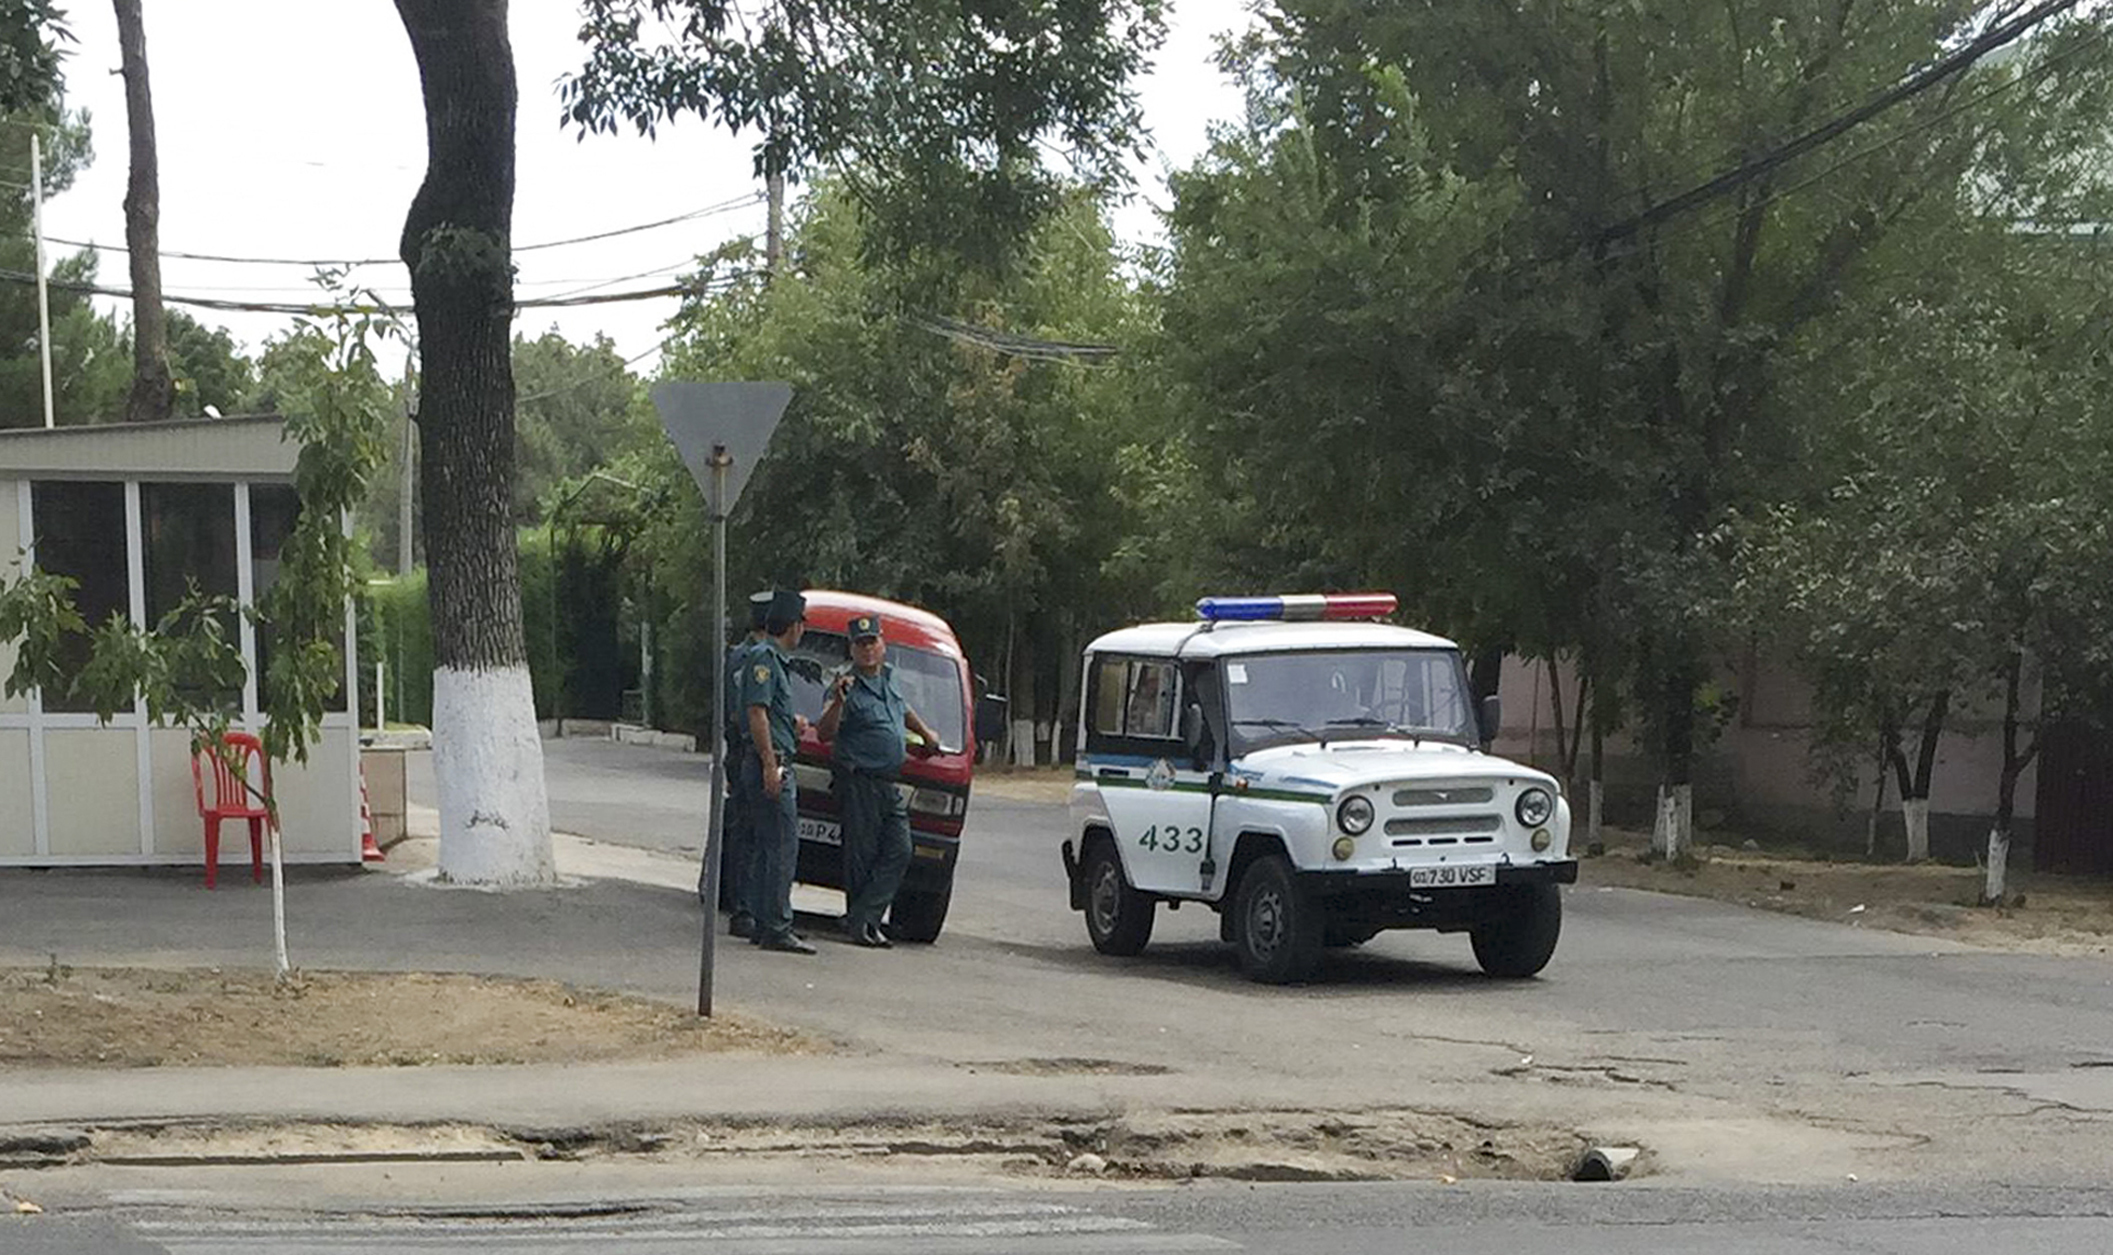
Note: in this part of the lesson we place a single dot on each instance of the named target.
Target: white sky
(294, 129)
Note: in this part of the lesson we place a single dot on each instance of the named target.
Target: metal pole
(36, 176)
(715, 829)
(403, 478)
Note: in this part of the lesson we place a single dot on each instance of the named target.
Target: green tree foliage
(33, 35)
(917, 462)
(577, 407)
(1471, 328)
(209, 370)
(941, 109)
(90, 360)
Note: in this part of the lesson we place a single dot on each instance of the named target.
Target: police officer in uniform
(737, 846)
(866, 718)
(766, 771)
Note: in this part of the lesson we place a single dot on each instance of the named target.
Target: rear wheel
(1118, 918)
(1277, 932)
(1518, 938)
(919, 914)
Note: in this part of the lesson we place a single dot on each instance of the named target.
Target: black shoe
(741, 926)
(788, 943)
(872, 938)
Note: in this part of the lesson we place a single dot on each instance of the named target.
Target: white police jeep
(1313, 776)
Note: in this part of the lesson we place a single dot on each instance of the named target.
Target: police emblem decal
(1161, 776)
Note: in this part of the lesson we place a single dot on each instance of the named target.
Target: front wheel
(1277, 929)
(1118, 918)
(1517, 939)
(919, 914)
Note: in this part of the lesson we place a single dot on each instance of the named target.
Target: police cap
(759, 609)
(864, 626)
(787, 606)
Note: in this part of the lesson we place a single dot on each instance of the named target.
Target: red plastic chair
(231, 800)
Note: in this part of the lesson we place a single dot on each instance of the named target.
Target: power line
(2040, 74)
(1005, 342)
(625, 365)
(376, 307)
(729, 206)
(1747, 172)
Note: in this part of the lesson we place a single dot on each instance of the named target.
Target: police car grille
(1459, 795)
(1444, 829)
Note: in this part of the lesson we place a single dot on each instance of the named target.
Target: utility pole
(404, 473)
(36, 219)
(774, 230)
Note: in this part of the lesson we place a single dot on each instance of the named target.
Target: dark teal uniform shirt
(736, 713)
(869, 732)
(763, 683)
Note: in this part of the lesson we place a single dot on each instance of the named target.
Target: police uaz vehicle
(1314, 775)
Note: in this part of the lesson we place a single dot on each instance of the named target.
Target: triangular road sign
(735, 417)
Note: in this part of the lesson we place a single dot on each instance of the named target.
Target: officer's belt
(870, 773)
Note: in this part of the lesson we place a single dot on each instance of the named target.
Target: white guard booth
(135, 513)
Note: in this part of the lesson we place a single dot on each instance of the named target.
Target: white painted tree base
(488, 766)
(1997, 882)
(1597, 795)
(1673, 830)
(1915, 815)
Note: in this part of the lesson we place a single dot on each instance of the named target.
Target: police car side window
(1110, 687)
(1134, 700)
(1150, 710)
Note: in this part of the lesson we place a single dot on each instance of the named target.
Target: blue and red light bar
(1296, 607)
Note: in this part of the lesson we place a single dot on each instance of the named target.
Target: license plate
(826, 831)
(1451, 877)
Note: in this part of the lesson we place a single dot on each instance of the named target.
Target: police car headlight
(1534, 807)
(1354, 815)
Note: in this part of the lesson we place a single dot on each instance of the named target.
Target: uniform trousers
(774, 834)
(737, 846)
(876, 845)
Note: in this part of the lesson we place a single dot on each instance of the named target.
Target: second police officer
(736, 843)
(773, 793)
(867, 718)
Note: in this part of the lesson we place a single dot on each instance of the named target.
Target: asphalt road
(1765, 1059)
(1750, 1044)
(1281, 1219)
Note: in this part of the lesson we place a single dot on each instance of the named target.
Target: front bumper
(931, 869)
(1556, 872)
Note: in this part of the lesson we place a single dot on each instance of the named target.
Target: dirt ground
(2045, 914)
(131, 1017)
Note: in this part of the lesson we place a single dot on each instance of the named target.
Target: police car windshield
(930, 683)
(1282, 699)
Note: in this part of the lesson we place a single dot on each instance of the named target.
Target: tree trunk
(1674, 828)
(1995, 882)
(153, 389)
(1915, 818)
(1878, 803)
(1915, 789)
(457, 242)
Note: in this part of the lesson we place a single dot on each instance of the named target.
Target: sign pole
(715, 832)
(721, 430)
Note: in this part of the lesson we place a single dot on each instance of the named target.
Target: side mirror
(1492, 718)
(990, 719)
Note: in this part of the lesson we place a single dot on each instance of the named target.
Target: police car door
(1157, 802)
